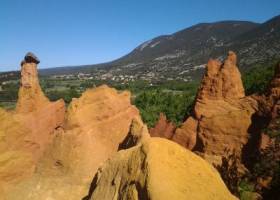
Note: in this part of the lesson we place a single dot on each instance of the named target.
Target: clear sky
(76, 32)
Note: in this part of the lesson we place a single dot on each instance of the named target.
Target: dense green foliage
(67, 95)
(10, 92)
(173, 98)
(257, 78)
(246, 190)
(175, 105)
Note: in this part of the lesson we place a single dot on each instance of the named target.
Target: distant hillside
(7, 76)
(191, 42)
(258, 44)
(187, 44)
(195, 45)
(185, 52)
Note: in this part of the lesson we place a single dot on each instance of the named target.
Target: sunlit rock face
(68, 166)
(96, 124)
(31, 97)
(221, 80)
(16, 158)
(27, 131)
(157, 169)
(222, 115)
(34, 110)
(62, 150)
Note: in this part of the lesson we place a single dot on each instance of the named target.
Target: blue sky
(77, 32)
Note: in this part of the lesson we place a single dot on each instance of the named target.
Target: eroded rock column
(30, 96)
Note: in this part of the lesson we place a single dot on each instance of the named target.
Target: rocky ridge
(183, 55)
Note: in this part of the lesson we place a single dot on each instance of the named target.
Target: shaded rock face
(187, 133)
(221, 115)
(268, 156)
(138, 133)
(157, 169)
(269, 103)
(163, 128)
(274, 91)
(265, 118)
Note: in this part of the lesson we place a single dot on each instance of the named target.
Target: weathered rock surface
(16, 161)
(222, 80)
(268, 154)
(26, 132)
(221, 115)
(24, 139)
(34, 110)
(163, 128)
(95, 126)
(138, 133)
(158, 169)
(31, 96)
(187, 133)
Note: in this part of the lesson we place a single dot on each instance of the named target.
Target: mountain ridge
(189, 49)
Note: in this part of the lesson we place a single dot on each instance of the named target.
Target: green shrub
(67, 95)
(10, 92)
(175, 105)
(258, 78)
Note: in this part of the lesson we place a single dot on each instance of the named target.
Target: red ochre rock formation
(163, 128)
(221, 114)
(187, 133)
